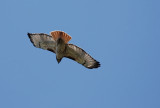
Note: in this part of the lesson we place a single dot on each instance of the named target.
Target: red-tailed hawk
(57, 42)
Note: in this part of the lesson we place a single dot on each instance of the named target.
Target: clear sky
(124, 35)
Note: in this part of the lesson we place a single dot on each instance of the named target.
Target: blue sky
(124, 35)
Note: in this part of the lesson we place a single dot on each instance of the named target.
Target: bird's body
(57, 43)
(60, 49)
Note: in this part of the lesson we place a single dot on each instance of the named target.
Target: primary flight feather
(57, 42)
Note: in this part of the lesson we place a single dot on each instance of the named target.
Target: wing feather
(75, 53)
(43, 41)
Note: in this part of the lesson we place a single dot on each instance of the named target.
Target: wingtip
(96, 65)
(29, 35)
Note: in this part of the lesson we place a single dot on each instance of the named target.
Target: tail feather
(60, 34)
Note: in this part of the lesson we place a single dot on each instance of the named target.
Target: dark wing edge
(43, 41)
(78, 54)
(29, 35)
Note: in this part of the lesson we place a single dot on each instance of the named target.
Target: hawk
(57, 42)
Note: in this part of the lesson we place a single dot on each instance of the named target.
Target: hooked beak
(58, 60)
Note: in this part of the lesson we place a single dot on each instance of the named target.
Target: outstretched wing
(75, 53)
(43, 41)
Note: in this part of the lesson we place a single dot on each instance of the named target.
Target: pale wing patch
(60, 34)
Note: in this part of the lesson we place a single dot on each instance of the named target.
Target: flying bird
(57, 42)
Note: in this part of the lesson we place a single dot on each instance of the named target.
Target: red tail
(60, 34)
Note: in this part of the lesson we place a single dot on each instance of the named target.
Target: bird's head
(58, 60)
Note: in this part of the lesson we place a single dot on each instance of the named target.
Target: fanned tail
(60, 34)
